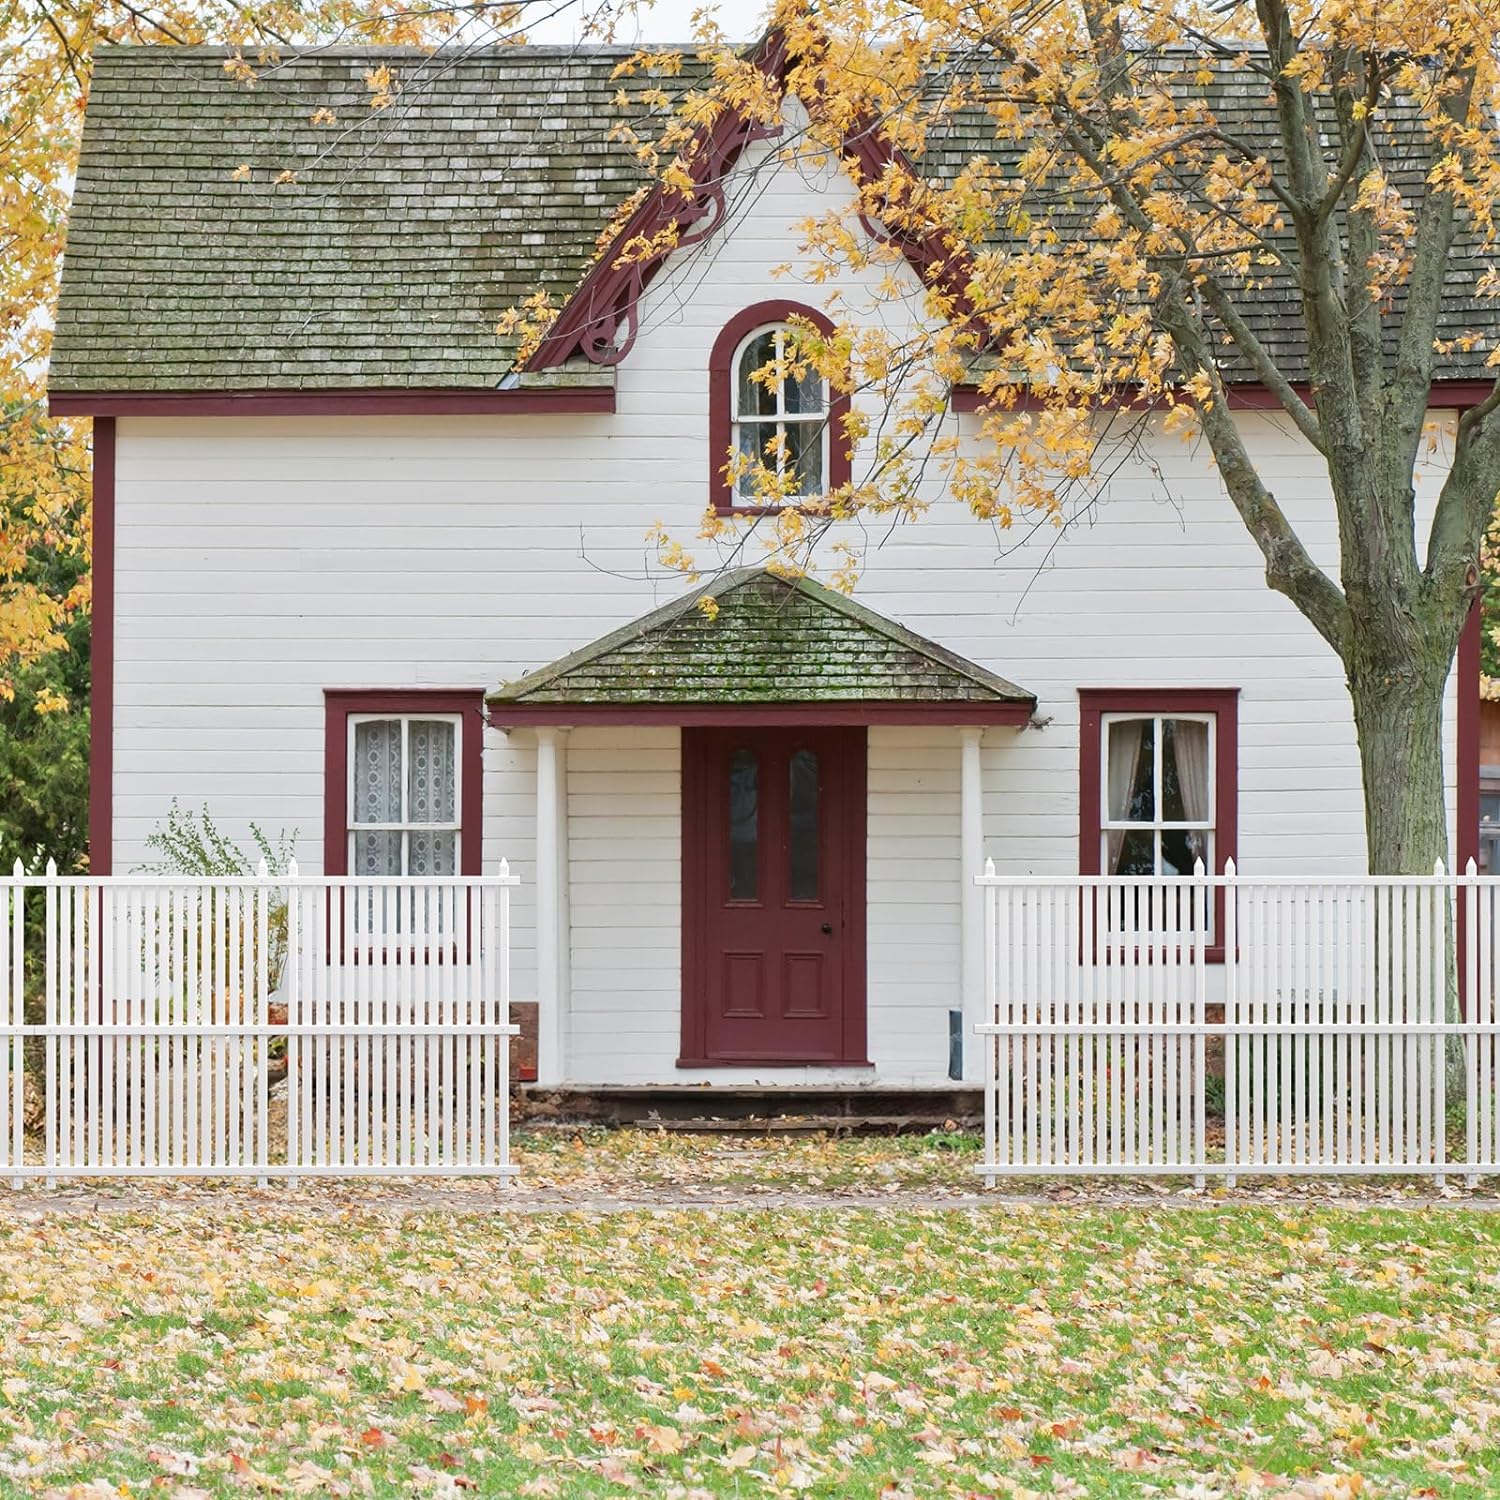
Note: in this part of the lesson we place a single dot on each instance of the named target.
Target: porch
(754, 813)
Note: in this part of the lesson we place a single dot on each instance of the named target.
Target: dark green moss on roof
(410, 230)
(389, 261)
(771, 641)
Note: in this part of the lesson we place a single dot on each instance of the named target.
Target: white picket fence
(265, 1026)
(1345, 1025)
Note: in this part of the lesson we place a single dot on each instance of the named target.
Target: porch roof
(767, 648)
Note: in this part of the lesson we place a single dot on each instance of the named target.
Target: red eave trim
(262, 403)
(715, 715)
(1444, 395)
(102, 654)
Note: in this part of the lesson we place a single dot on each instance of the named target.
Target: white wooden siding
(261, 560)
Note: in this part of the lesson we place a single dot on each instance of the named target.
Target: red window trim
(340, 703)
(720, 384)
(1223, 703)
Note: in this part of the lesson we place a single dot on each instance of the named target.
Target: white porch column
(551, 905)
(971, 898)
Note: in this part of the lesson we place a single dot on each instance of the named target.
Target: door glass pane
(377, 772)
(430, 796)
(744, 826)
(803, 826)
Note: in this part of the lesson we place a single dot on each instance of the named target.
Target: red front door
(773, 832)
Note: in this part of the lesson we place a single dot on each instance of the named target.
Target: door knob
(828, 929)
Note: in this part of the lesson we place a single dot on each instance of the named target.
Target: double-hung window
(1157, 783)
(780, 424)
(403, 794)
(403, 788)
(1158, 808)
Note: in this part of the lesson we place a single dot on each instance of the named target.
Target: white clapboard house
(361, 578)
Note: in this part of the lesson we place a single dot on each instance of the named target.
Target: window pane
(1132, 852)
(804, 455)
(804, 392)
(1184, 771)
(432, 853)
(1181, 849)
(377, 771)
(376, 854)
(803, 826)
(751, 440)
(755, 397)
(744, 827)
(430, 795)
(1129, 769)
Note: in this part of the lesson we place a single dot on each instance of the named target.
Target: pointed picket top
(1472, 868)
(263, 870)
(989, 868)
(1198, 871)
(1229, 868)
(291, 869)
(18, 870)
(1437, 869)
(504, 869)
(51, 869)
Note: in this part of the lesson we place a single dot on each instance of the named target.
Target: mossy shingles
(770, 640)
(409, 230)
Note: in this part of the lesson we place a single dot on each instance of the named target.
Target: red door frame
(848, 845)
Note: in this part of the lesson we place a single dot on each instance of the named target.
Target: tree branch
(1271, 376)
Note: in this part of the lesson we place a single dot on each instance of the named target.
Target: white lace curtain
(405, 800)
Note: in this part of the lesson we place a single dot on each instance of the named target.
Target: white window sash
(1157, 826)
(780, 417)
(404, 826)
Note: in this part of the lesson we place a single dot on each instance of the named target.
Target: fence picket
(163, 1003)
(1336, 1019)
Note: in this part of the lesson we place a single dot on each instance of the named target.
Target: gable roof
(410, 230)
(772, 641)
(406, 235)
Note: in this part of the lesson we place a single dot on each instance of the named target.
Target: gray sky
(665, 21)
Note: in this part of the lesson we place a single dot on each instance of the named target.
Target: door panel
(773, 895)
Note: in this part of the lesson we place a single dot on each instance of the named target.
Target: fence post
(1474, 1045)
(262, 1019)
(1230, 936)
(1438, 972)
(506, 881)
(292, 972)
(15, 1043)
(991, 1043)
(1202, 905)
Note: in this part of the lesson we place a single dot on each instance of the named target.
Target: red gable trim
(599, 320)
(432, 401)
(1444, 395)
(102, 654)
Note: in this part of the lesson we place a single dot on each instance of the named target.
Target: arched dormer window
(791, 426)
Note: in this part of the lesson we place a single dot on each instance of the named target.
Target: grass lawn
(862, 1350)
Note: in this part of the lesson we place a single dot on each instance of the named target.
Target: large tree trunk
(1398, 715)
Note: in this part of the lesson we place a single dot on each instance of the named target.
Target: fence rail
(1234, 1026)
(266, 1026)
